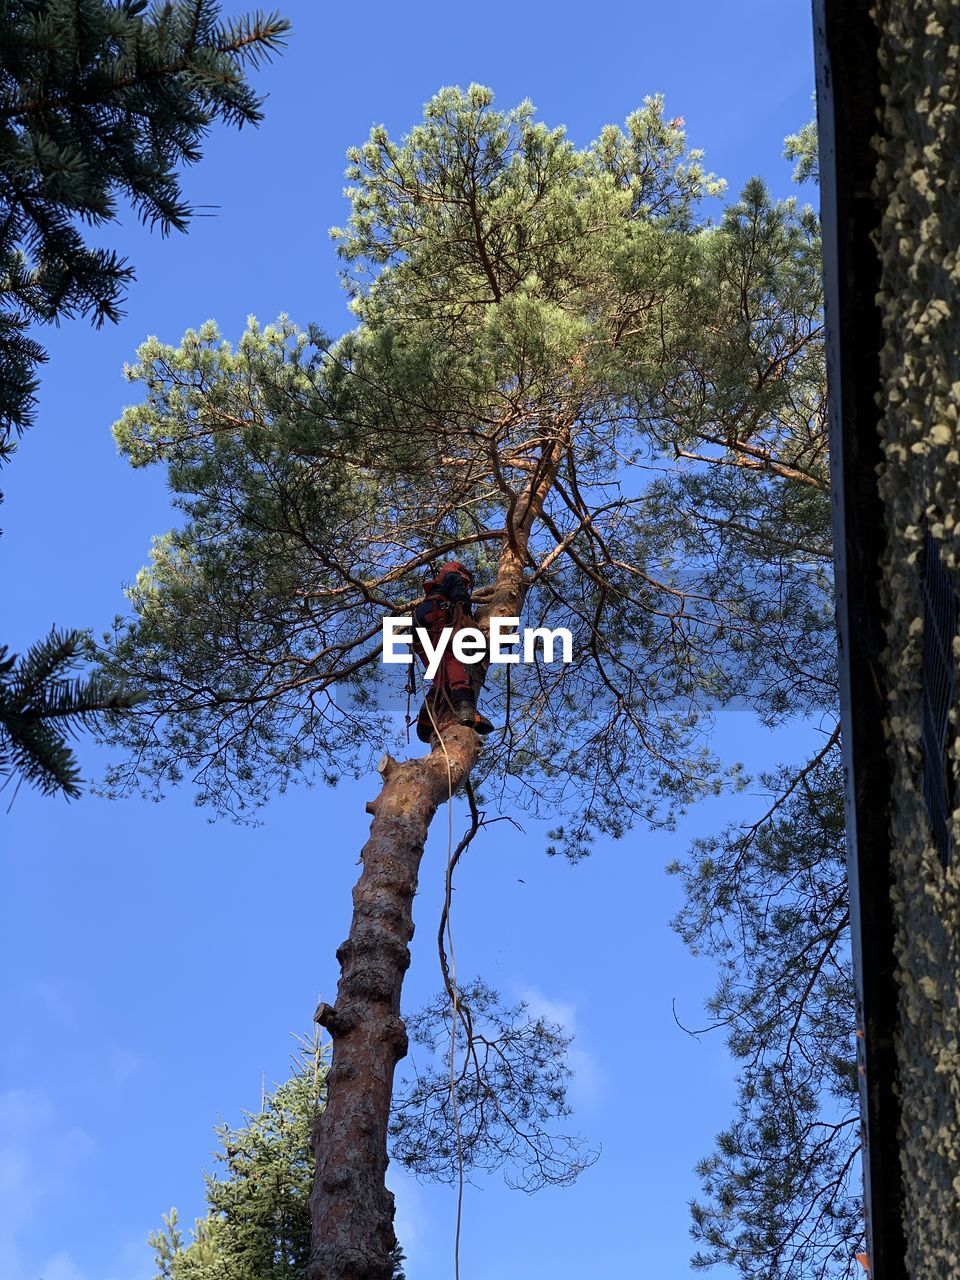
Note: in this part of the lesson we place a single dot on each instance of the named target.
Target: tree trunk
(351, 1208)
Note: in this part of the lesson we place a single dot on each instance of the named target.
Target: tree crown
(539, 326)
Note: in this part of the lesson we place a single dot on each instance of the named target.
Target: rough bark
(351, 1208)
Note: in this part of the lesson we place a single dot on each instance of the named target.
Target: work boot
(468, 714)
(424, 724)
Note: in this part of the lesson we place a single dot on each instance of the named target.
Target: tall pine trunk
(351, 1208)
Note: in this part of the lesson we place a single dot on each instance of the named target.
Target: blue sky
(154, 965)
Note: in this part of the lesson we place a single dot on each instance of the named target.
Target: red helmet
(454, 566)
(433, 580)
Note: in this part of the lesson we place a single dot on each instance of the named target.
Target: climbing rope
(454, 994)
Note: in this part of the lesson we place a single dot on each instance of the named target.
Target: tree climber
(454, 688)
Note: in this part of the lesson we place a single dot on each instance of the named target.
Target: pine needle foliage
(101, 102)
(515, 1059)
(770, 902)
(522, 303)
(767, 899)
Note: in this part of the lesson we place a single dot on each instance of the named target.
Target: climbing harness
(446, 604)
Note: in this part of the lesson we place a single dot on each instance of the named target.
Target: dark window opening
(939, 630)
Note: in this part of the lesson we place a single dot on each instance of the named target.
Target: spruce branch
(42, 706)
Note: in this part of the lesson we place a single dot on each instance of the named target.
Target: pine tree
(543, 332)
(98, 102)
(258, 1222)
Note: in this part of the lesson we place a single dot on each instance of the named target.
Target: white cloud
(23, 1111)
(104, 1064)
(410, 1215)
(16, 1192)
(62, 1003)
(25, 1114)
(124, 1063)
(43, 1156)
(587, 1083)
(38, 1161)
(552, 1010)
(134, 1261)
(61, 1267)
